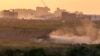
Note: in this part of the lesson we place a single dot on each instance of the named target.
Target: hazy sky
(86, 6)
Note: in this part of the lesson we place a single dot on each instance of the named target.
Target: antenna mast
(44, 3)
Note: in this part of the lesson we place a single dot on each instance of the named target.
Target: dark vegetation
(67, 50)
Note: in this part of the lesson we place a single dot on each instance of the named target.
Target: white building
(95, 17)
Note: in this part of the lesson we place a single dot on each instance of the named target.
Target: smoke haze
(85, 33)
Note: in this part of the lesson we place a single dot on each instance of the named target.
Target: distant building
(71, 16)
(67, 15)
(38, 14)
(95, 17)
(79, 14)
(42, 11)
(58, 12)
(25, 13)
(9, 14)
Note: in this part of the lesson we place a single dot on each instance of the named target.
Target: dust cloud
(86, 33)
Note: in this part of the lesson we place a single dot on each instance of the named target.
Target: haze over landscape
(49, 28)
(67, 15)
(86, 6)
